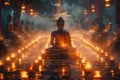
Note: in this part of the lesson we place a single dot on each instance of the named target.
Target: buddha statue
(60, 40)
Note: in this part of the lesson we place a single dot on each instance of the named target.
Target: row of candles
(17, 61)
(102, 57)
(39, 62)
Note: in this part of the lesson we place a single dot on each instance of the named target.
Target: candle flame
(23, 74)
(97, 74)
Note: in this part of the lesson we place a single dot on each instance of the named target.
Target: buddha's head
(60, 23)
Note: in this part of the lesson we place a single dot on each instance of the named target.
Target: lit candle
(112, 73)
(106, 65)
(88, 67)
(13, 66)
(102, 60)
(12, 55)
(112, 62)
(83, 73)
(7, 58)
(1, 63)
(40, 68)
(83, 60)
(43, 62)
(1, 76)
(24, 75)
(63, 71)
(77, 62)
(8, 68)
(31, 67)
(119, 66)
(97, 75)
(36, 61)
(20, 61)
(39, 58)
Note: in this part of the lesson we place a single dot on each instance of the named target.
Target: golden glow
(24, 75)
(12, 55)
(20, 61)
(97, 74)
(102, 51)
(31, 13)
(19, 51)
(40, 68)
(85, 12)
(1, 76)
(83, 60)
(13, 66)
(106, 54)
(31, 10)
(92, 8)
(83, 73)
(36, 61)
(111, 57)
(107, 5)
(8, 68)
(63, 71)
(88, 66)
(107, 0)
(31, 67)
(1, 63)
(39, 57)
(101, 60)
(7, 58)
(23, 6)
(112, 73)
(6, 3)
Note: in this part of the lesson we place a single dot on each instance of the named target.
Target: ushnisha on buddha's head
(60, 23)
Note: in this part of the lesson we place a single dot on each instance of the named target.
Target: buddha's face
(60, 26)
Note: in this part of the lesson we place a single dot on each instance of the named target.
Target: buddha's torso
(61, 38)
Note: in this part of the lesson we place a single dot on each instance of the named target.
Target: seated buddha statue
(60, 39)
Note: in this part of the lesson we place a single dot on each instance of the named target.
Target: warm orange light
(23, 6)
(31, 10)
(6, 3)
(1, 76)
(111, 57)
(8, 58)
(36, 61)
(102, 51)
(93, 10)
(88, 66)
(39, 58)
(63, 71)
(31, 67)
(31, 13)
(13, 66)
(24, 75)
(1, 63)
(40, 68)
(106, 54)
(107, 5)
(97, 74)
(12, 55)
(85, 12)
(101, 60)
(92, 6)
(112, 73)
(23, 11)
(83, 60)
(20, 61)
(107, 0)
